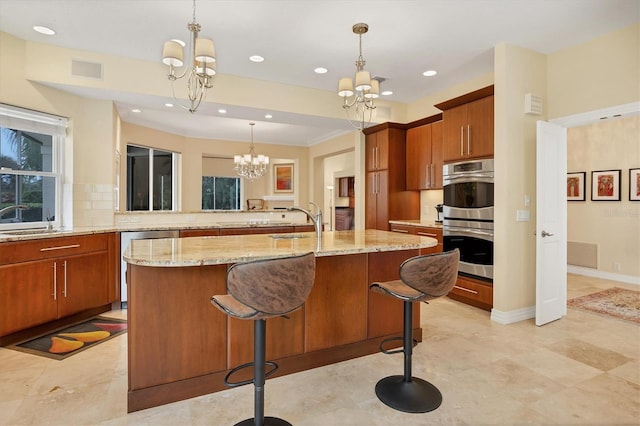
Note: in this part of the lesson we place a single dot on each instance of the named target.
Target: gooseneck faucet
(317, 218)
(11, 208)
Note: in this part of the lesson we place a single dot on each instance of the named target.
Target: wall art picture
(605, 185)
(576, 186)
(283, 175)
(634, 184)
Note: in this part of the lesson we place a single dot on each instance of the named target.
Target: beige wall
(614, 226)
(601, 73)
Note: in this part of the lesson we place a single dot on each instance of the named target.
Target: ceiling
(405, 38)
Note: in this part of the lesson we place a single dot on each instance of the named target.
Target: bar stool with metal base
(422, 278)
(259, 290)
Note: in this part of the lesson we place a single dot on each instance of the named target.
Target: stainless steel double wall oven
(468, 215)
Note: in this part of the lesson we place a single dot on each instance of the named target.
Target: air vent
(380, 79)
(86, 69)
(532, 104)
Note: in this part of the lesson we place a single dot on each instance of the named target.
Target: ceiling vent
(86, 69)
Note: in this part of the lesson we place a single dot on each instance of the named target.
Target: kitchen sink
(287, 236)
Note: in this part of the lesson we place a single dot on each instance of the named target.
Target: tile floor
(582, 369)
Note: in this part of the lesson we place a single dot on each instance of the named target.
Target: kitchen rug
(614, 302)
(70, 340)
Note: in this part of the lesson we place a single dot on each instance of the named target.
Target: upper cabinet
(468, 126)
(424, 156)
(386, 195)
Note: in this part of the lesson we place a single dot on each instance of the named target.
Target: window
(220, 193)
(30, 168)
(151, 179)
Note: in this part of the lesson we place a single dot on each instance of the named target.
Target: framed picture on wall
(283, 177)
(634, 184)
(576, 186)
(605, 185)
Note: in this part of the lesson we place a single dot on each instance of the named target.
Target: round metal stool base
(268, 421)
(416, 396)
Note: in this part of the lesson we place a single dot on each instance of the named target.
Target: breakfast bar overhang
(180, 346)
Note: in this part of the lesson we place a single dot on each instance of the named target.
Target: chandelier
(200, 67)
(360, 103)
(251, 166)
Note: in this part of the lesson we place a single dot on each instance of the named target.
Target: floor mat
(70, 340)
(615, 302)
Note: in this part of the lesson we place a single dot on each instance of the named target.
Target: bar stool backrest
(432, 274)
(273, 286)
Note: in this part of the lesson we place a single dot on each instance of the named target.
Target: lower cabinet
(473, 292)
(75, 275)
(425, 231)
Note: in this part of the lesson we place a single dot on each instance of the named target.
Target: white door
(551, 222)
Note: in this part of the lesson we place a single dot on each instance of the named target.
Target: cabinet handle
(64, 292)
(432, 176)
(465, 289)
(404, 231)
(377, 183)
(468, 139)
(426, 234)
(55, 281)
(461, 141)
(60, 247)
(427, 181)
(375, 157)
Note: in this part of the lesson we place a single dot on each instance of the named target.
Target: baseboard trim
(509, 317)
(590, 272)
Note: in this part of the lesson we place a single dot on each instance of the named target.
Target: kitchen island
(180, 346)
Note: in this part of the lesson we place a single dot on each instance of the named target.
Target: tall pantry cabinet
(386, 194)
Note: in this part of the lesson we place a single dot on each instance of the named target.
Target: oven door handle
(471, 177)
(468, 232)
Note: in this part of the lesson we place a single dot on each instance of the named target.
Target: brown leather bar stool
(422, 278)
(259, 290)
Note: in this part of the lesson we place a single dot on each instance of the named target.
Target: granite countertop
(197, 251)
(417, 222)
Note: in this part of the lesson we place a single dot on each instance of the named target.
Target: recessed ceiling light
(430, 73)
(256, 58)
(320, 70)
(168, 105)
(136, 110)
(268, 116)
(43, 30)
(387, 93)
(222, 111)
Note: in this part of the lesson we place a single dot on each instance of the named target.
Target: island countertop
(199, 251)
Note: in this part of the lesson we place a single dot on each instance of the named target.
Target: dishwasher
(125, 240)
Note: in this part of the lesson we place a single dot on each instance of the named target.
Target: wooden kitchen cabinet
(473, 292)
(386, 196)
(425, 231)
(207, 232)
(424, 157)
(49, 279)
(468, 126)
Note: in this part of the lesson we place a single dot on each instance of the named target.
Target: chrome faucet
(11, 208)
(317, 218)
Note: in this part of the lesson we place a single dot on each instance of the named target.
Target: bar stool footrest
(394, 351)
(268, 421)
(272, 364)
(415, 396)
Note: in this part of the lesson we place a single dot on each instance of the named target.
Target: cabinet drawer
(48, 248)
(473, 293)
(403, 229)
(199, 232)
(430, 232)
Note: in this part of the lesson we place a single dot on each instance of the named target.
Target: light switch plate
(522, 215)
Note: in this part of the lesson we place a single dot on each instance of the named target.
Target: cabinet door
(480, 136)
(82, 282)
(371, 200)
(436, 155)
(454, 133)
(382, 203)
(418, 161)
(377, 150)
(27, 295)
